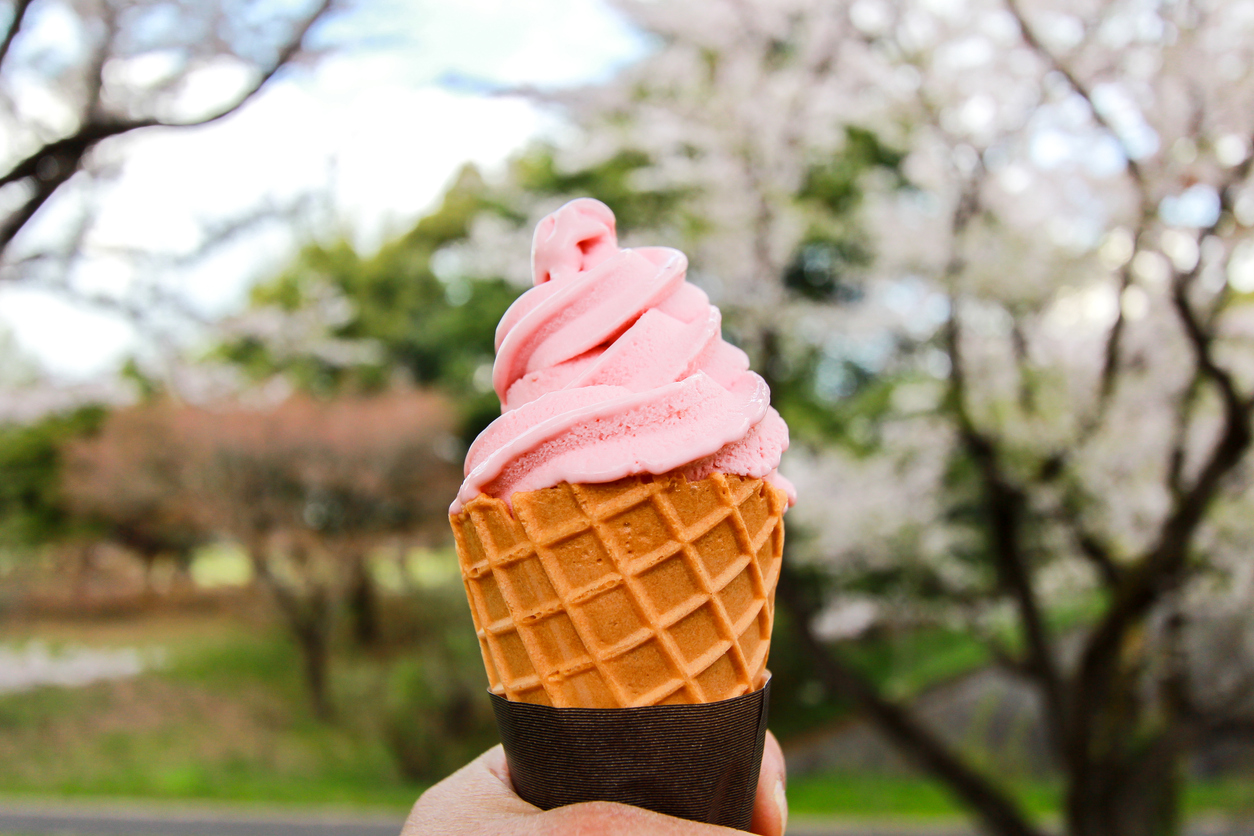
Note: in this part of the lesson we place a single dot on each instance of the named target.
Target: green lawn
(848, 795)
(225, 718)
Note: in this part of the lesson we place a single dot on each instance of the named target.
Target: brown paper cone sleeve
(698, 762)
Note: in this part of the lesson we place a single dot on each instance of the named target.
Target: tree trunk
(312, 639)
(363, 603)
(1139, 796)
(309, 618)
(83, 560)
(149, 593)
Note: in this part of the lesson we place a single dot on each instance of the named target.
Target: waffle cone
(646, 591)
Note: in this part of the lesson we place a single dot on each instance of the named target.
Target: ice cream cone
(620, 531)
(649, 590)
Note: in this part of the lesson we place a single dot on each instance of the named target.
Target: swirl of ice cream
(613, 365)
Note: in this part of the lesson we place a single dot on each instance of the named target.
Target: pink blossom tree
(82, 84)
(307, 488)
(1016, 353)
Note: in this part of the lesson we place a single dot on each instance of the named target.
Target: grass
(1234, 796)
(861, 795)
(224, 719)
(884, 796)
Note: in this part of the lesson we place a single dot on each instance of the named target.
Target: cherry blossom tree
(994, 259)
(125, 485)
(307, 488)
(80, 83)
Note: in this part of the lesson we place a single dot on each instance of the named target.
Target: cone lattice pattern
(645, 591)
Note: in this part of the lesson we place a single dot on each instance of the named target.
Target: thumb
(459, 804)
(770, 807)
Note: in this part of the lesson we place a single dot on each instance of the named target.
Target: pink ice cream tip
(613, 365)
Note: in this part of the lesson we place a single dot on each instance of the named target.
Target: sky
(373, 125)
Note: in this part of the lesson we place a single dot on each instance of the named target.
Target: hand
(478, 800)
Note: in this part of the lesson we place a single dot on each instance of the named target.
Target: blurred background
(992, 256)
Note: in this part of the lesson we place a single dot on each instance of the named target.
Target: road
(30, 819)
(100, 819)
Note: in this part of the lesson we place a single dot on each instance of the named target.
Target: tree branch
(41, 163)
(1113, 351)
(50, 172)
(149, 305)
(1005, 506)
(19, 15)
(1201, 340)
(1180, 435)
(1004, 503)
(1200, 335)
(1055, 63)
(998, 812)
(1146, 212)
(1229, 727)
(289, 52)
(1090, 544)
(1019, 340)
(50, 166)
(1161, 567)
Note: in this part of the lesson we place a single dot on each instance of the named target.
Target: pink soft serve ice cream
(613, 365)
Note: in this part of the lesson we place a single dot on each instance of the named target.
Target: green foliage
(418, 710)
(457, 340)
(799, 701)
(836, 183)
(827, 398)
(437, 716)
(905, 663)
(826, 393)
(825, 266)
(612, 182)
(440, 332)
(824, 269)
(33, 510)
(148, 387)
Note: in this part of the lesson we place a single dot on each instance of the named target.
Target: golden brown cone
(645, 591)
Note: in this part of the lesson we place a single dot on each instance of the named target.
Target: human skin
(478, 800)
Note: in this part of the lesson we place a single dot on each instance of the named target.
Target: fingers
(602, 818)
(770, 808)
(469, 801)
(478, 800)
